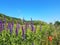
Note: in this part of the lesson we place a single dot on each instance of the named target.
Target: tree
(57, 23)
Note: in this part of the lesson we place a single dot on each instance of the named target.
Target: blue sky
(45, 10)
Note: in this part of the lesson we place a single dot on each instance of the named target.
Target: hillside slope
(10, 19)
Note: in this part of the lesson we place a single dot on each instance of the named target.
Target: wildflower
(16, 32)
(18, 26)
(32, 27)
(1, 25)
(23, 32)
(10, 27)
(50, 38)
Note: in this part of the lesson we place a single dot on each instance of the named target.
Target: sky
(45, 10)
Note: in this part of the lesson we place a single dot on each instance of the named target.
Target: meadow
(28, 34)
(16, 34)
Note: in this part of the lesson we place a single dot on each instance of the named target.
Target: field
(29, 35)
(29, 22)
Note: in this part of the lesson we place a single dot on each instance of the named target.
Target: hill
(15, 20)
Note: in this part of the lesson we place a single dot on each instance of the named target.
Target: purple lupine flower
(16, 32)
(10, 27)
(23, 32)
(1, 24)
(10, 31)
(32, 27)
(1, 28)
(18, 26)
